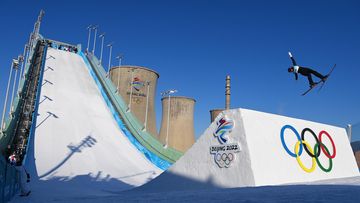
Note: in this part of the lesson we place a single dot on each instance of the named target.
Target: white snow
(339, 190)
(78, 149)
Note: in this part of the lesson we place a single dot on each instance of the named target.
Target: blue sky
(193, 45)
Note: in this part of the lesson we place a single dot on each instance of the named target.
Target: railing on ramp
(145, 142)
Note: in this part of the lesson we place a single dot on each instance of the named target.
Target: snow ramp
(250, 148)
(78, 150)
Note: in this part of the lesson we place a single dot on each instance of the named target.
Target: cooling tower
(214, 113)
(140, 83)
(179, 134)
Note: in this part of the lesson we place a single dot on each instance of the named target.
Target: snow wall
(250, 148)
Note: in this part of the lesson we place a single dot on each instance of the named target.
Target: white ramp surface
(78, 150)
(269, 136)
(248, 148)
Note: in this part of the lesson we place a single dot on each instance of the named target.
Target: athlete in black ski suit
(305, 72)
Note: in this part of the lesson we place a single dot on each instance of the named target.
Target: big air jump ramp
(250, 148)
(79, 150)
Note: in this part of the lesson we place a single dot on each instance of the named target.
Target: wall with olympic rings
(289, 150)
(265, 157)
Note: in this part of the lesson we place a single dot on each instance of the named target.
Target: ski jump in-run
(308, 72)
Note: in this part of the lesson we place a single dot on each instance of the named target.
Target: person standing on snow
(305, 72)
(24, 176)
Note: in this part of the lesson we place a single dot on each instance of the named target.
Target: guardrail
(8, 175)
(145, 139)
(37, 100)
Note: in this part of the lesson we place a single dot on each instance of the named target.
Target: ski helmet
(12, 159)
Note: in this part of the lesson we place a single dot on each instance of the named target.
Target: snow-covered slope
(78, 149)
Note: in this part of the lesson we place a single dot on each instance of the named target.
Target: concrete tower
(140, 83)
(227, 93)
(177, 126)
(215, 112)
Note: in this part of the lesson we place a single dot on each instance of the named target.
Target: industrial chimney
(177, 126)
(215, 112)
(137, 84)
(227, 93)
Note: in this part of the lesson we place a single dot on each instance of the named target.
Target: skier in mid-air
(305, 72)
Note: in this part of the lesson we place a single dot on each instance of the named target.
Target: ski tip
(290, 54)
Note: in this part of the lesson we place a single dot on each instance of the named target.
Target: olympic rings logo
(224, 154)
(314, 153)
(224, 159)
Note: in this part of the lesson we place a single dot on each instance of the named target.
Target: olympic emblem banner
(224, 154)
(224, 126)
(313, 152)
(137, 84)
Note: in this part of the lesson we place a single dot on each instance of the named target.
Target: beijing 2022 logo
(224, 154)
(137, 84)
(223, 127)
(314, 153)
